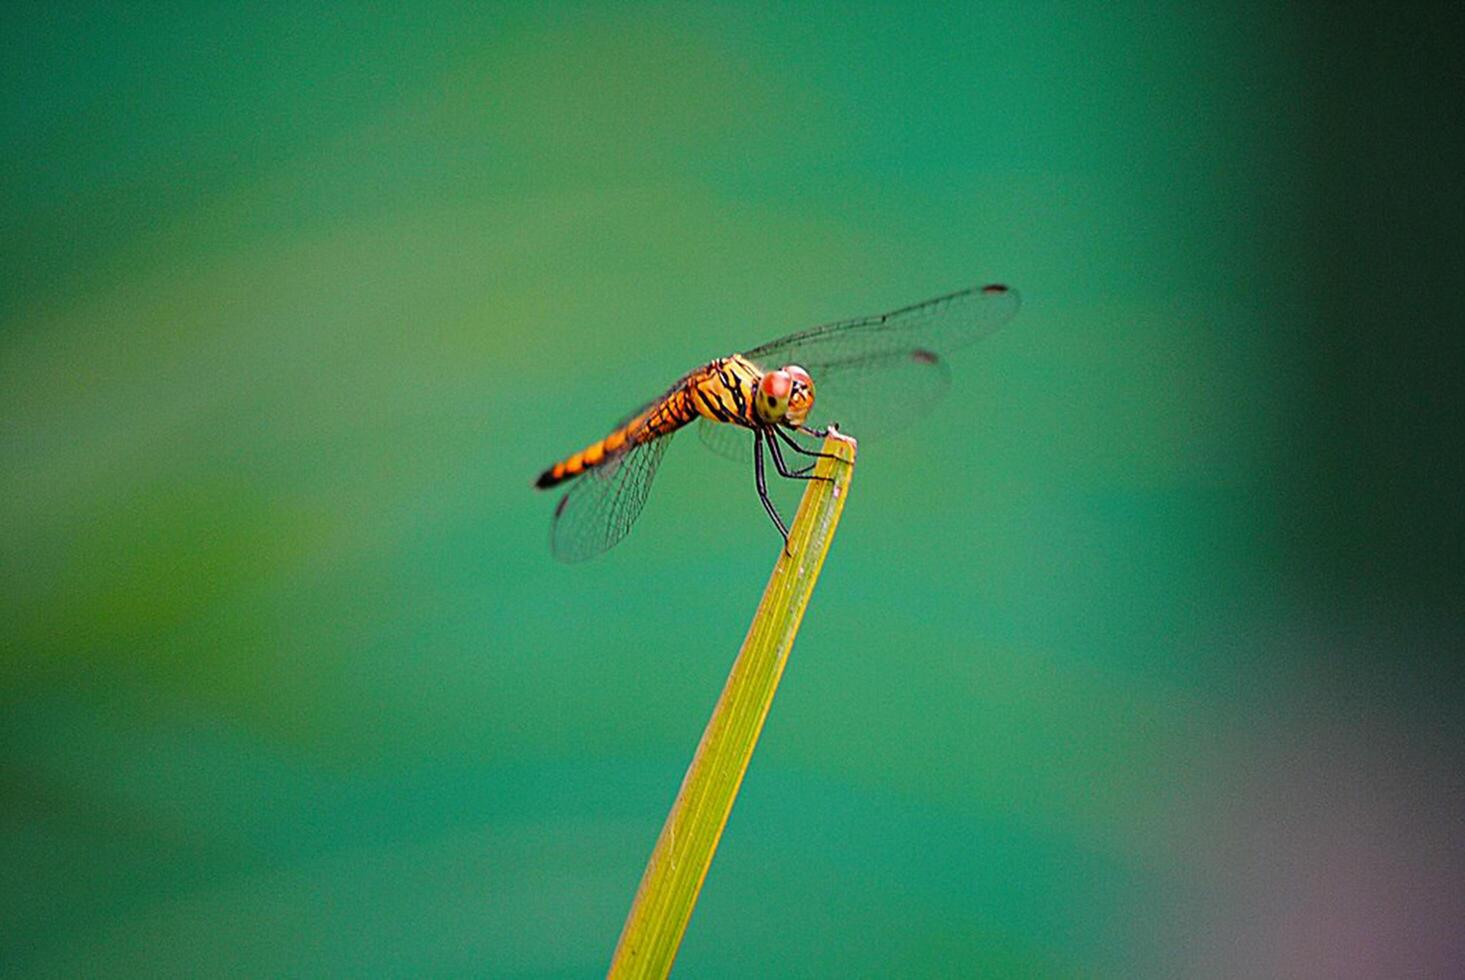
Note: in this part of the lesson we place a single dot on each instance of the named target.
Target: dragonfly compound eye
(801, 399)
(773, 394)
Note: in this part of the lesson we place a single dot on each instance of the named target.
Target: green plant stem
(683, 853)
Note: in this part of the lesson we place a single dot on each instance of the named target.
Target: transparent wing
(881, 395)
(940, 325)
(730, 441)
(603, 503)
(736, 443)
(877, 373)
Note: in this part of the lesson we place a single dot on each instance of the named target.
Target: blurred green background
(1137, 660)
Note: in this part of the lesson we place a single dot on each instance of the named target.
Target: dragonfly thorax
(785, 396)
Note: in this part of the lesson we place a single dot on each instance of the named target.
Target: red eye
(776, 384)
(799, 375)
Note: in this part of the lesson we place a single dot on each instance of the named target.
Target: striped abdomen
(722, 391)
(662, 417)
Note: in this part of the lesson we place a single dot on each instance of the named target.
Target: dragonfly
(875, 375)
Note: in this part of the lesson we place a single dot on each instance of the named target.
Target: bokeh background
(1137, 660)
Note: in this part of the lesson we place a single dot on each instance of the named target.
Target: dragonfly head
(785, 396)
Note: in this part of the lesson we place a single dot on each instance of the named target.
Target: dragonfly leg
(763, 487)
(794, 445)
(783, 470)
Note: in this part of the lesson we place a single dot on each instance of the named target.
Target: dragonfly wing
(879, 394)
(940, 325)
(877, 374)
(729, 441)
(604, 502)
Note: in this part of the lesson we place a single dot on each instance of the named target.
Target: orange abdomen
(659, 419)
